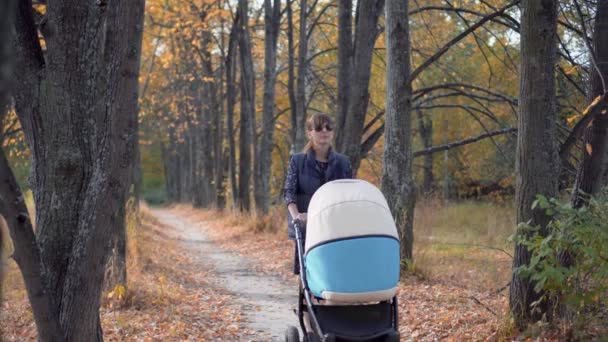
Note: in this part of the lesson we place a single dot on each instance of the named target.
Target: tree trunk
(300, 138)
(81, 150)
(291, 79)
(345, 67)
(210, 109)
(425, 127)
(397, 184)
(126, 99)
(263, 162)
(7, 13)
(230, 100)
(247, 108)
(366, 33)
(591, 176)
(537, 161)
(218, 123)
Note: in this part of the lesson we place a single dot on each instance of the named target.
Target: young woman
(308, 170)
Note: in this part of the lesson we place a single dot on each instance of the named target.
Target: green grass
(465, 243)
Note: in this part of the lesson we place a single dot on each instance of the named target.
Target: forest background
(225, 88)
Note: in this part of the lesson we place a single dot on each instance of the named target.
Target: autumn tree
(397, 184)
(69, 99)
(263, 158)
(537, 156)
(6, 60)
(247, 108)
(350, 128)
(593, 171)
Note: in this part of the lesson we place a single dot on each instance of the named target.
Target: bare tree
(366, 33)
(593, 172)
(300, 134)
(263, 160)
(230, 101)
(537, 156)
(345, 47)
(7, 13)
(126, 101)
(247, 108)
(69, 105)
(397, 184)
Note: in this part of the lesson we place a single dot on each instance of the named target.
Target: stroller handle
(300, 228)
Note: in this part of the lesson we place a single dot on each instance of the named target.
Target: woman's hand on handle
(300, 217)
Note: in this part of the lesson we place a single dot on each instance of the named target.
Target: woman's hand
(300, 217)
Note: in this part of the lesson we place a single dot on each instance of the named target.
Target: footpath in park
(265, 301)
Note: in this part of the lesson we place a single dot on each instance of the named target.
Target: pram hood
(352, 245)
(347, 208)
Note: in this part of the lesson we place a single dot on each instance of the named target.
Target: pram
(349, 266)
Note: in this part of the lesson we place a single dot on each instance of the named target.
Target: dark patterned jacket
(305, 176)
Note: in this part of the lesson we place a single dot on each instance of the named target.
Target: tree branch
(589, 48)
(458, 86)
(456, 39)
(371, 140)
(467, 141)
(596, 107)
(27, 254)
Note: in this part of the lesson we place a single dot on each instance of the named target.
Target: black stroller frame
(388, 333)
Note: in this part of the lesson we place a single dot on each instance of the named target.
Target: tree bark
(300, 135)
(263, 161)
(537, 160)
(247, 108)
(291, 78)
(425, 127)
(81, 147)
(220, 162)
(127, 109)
(397, 184)
(7, 13)
(366, 33)
(230, 101)
(593, 171)
(345, 67)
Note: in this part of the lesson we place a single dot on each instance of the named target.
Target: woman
(315, 166)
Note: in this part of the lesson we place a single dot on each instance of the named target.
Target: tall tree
(536, 157)
(425, 128)
(247, 107)
(230, 101)
(397, 184)
(127, 107)
(7, 13)
(69, 105)
(366, 33)
(291, 90)
(345, 46)
(263, 160)
(300, 134)
(593, 172)
(220, 114)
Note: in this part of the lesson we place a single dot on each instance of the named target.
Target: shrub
(580, 286)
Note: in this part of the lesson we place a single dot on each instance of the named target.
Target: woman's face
(321, 135)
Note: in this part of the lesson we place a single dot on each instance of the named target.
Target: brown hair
(316, 120)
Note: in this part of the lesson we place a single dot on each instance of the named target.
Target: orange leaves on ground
(429, 310)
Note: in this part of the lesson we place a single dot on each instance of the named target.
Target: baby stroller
(349, 266)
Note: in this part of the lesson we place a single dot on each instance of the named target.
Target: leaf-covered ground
(172, 296)
(429, 310)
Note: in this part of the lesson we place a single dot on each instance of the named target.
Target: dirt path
(265, 301)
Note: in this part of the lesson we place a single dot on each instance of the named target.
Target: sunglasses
(328, 127)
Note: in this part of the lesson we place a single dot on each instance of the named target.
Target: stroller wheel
(292, 334)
